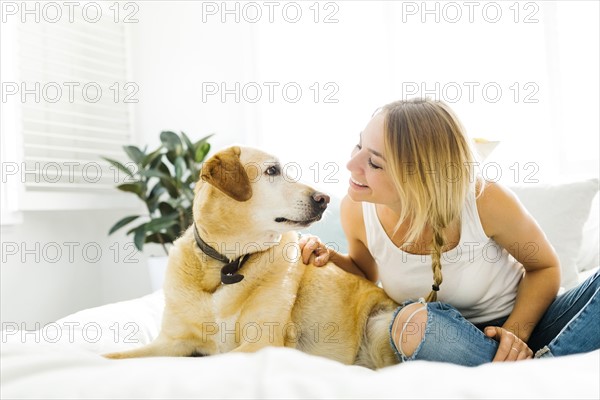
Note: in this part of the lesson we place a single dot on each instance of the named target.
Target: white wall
(61, 261)
(173, 54)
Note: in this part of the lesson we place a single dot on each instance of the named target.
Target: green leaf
(139, 237)
(189, 219)
(153, 238)
(135, 154)
(152, 204)
(174, 231)
(164, 168)
(191, 180)
(201, 151)
(171, 141)
(171, 156)
(176, 203)
(180, 168)
(154, 196)
(194, 172)
(121, 223)
(157, 190)
(158, 174)
(138, 188)
(203, 140)
(188, 192)
(170, 186)
(119, 166)
(160, 223)
(165, 208)
(188, 144)
(152, 157)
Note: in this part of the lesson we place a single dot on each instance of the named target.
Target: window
(66, 101)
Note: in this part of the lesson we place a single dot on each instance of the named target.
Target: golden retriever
(245, 206)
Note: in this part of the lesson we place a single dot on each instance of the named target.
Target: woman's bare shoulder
(496, 205)
(352, 219)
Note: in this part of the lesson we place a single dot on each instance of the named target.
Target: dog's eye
(272, 170)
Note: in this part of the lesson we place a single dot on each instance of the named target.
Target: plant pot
(157, 266)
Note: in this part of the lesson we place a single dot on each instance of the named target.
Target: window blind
(75, 102)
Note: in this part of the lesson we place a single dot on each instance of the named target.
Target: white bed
(62, 360)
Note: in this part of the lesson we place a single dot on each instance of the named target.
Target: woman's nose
(352, 164)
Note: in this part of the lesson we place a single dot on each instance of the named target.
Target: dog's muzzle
(318, 205)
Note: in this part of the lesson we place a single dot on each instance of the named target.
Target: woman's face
(369, 180)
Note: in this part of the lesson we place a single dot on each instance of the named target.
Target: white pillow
(561, 210)
(589, 254)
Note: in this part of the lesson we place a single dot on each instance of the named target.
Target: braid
(436, 263)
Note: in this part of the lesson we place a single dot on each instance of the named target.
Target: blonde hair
(431, 162)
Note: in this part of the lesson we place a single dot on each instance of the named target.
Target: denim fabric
(570, 325)
(572, 322)
(449, 337)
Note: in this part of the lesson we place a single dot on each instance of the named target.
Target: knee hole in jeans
(409, 328)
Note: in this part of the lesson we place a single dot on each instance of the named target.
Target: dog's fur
(245, 203)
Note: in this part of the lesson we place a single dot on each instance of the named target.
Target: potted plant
(163, 179)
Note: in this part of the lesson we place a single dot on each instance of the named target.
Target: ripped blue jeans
(570, 325)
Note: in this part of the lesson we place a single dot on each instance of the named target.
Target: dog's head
(245, 189)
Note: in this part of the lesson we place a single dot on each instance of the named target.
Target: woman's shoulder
(493, 194)
(351, 213)
(496, 203)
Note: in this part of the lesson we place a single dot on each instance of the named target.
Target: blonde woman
(439, 238)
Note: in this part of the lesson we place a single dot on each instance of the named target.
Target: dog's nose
(321, 198)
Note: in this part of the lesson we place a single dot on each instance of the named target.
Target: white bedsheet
(72, 368)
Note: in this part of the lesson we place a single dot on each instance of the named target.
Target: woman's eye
(272, 171)
(373, 165)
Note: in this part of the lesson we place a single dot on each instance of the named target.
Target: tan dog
(245, 204)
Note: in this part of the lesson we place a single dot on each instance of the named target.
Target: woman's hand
(511, 348)
(310, 245)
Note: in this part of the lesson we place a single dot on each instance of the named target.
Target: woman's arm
(505, 220)
(358, 261)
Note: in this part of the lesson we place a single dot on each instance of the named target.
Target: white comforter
(32, 367)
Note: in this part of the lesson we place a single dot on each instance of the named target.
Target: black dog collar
(229, 271)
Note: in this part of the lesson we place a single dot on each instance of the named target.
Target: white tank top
(480, 278)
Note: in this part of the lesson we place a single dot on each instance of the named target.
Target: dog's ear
(225, 171)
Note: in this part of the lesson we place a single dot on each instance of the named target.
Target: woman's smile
(356, 184)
